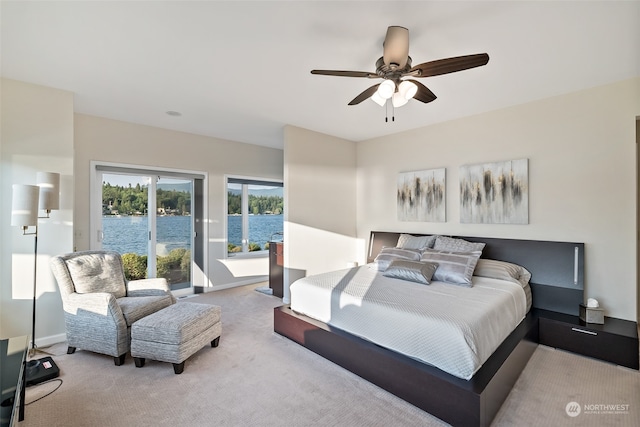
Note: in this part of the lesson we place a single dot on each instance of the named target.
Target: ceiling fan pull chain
(386, 111)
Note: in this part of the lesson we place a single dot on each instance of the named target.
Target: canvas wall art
(421, 196)
(495, 193)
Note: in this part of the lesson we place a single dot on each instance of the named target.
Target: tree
(132, 200)
(258, 205)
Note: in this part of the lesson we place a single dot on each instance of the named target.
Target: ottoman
(174, 333)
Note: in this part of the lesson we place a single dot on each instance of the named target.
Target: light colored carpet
(258, 378)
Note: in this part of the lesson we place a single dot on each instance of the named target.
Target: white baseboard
(251, 281)
(51, 340)
(181, 293)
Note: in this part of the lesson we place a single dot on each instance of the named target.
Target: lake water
(128, 234)
(261, 227)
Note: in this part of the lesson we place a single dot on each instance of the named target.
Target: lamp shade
(407, 89)
(386, 89)
(49, 183)
(378, 99)
(398, 100)
(24, 205)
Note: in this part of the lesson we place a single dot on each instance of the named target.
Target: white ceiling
(239, 70)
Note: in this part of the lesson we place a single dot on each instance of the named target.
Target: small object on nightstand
(591, 314)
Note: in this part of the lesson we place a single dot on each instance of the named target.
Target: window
(254, 215)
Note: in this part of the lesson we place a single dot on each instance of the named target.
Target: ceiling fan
(395, 64)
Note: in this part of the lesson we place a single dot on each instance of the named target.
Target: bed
(464, 366)
(452, 327)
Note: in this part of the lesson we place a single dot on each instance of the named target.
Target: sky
(125, 180)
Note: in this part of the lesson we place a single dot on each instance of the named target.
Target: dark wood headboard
(557, 268)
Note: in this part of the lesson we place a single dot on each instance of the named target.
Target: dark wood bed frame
(557, 284)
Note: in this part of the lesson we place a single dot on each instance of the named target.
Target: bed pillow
(413, 271)
(444, 243)
(502, 270)
(386, 255)
(407, 241)
(453, 267)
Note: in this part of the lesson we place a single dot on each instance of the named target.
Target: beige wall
(104, 140)
(320, 203)
(582, 178)
(38, 126)
(638, 212)
(37, 136)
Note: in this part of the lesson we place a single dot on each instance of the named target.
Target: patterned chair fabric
(100, 305)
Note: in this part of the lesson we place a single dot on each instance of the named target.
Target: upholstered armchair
(100, 305)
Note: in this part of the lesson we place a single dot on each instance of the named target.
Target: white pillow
(502, 270)
(453, 267)
(387, 255)
(444, 243)
(413, 271)
(407, 241)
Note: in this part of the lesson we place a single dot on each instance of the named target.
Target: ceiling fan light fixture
(398, 100)
(386, 89)
(396, 65)
(407, 89)
(378, 99)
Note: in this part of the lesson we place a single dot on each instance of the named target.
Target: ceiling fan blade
(364, 95)
(423, 94)
(396, 46)
(449, 65)
(345, 73)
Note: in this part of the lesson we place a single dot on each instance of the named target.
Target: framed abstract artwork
(495, 193)
(421, 195)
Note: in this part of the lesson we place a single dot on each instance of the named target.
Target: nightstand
(615, 341)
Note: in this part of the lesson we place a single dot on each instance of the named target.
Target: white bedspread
(451, 327)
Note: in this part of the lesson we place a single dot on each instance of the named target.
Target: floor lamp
(27, 200)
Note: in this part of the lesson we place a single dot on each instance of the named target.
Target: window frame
(199, 261)
(248, 180)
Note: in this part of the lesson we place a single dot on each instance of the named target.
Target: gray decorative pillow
(453, 267)
(98, 273)
(444, 243)
(413, 271)
(407, 241)
(387, 255)
(502, 270)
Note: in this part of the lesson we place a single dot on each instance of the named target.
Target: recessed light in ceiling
(174, 113)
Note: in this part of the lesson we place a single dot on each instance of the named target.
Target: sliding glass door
(174, 230)
(125, 221)
(148, 219)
